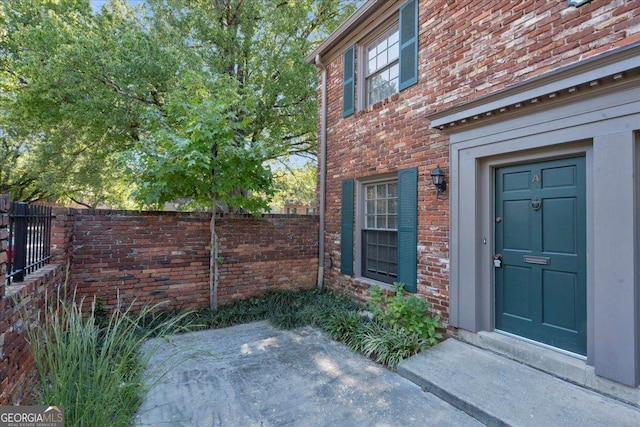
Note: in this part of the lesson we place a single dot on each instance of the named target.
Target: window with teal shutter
(388, 61)
(408, 44)
(346, 227)
(348, 82)
(388, 230)
(407, 228)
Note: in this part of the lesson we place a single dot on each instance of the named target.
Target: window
(382, 66)
(380, 232)
(386, 226)
(388, 61)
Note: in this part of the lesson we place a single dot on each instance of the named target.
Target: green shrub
(343, 325)
(407, 313)
(387, 344)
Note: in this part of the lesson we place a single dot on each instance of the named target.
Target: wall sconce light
(437, 176)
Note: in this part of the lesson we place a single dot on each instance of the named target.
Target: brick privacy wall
(19, 302)
(162, 257)
(144, 257)
(466, 50)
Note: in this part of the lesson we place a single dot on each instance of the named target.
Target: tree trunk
(213, 259)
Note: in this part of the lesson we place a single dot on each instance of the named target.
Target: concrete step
(499, 391)
(552, 361)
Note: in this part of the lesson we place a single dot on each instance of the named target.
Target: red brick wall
(157, 257)
(19, 302)
(163, 257)
(466, 50)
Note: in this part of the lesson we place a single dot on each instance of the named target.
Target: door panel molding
(543, 240)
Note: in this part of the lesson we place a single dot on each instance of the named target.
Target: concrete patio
(256, 375)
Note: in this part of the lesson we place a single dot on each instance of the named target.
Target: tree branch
(111, 84)
(21, 79)
(74, 200)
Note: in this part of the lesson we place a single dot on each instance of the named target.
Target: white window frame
(376, 214)
(368, 76)
(362, 76)
(359, 212)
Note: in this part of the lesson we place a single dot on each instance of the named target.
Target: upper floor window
(382, 62)
(382, 66)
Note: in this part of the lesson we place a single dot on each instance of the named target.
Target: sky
(97, 4)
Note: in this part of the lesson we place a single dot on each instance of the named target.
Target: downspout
(323, 169)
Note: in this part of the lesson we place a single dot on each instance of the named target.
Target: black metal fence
(29, 239)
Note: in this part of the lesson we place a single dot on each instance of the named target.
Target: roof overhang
(348, 27)
(610, 67)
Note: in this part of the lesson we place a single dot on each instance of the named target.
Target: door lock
(497, 261)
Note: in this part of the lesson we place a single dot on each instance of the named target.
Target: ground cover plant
(399, 326)
(285, 309)
(392, 328)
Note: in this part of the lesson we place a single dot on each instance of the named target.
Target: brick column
(4, 316)
(62, 229)
(4, 243)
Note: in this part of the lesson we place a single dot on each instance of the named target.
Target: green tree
(191, 97)
(295, 185)
(260, 45)
(76, 86)
(82, 85)
(196, 153)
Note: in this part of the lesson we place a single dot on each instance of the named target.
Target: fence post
(20, 240)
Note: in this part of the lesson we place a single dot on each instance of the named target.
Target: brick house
(532, 111)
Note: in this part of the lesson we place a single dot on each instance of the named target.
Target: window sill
(372, 282)
(375, 107)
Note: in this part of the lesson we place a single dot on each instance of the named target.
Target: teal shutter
(408, 44)
(348, 82)
(407, 228)
(346, 228)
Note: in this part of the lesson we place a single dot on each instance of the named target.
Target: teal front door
(540, 260)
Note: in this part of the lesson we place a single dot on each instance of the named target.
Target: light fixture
(437, 176)
(577, 3)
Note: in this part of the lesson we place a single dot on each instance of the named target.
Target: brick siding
(466, 50)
